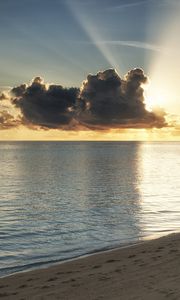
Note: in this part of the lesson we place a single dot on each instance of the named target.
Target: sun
(154, 99)
(154, 96)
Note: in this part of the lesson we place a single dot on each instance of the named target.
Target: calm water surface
(61, 200)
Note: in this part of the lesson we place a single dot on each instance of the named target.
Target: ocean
(60, 200)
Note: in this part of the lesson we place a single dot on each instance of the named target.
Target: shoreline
(149, 269)
(45, 265)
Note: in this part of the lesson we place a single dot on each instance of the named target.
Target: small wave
(82, 253)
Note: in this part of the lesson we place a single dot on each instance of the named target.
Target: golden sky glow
(23, 133)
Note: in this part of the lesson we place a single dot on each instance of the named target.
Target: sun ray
(164, 71)
(92, 31)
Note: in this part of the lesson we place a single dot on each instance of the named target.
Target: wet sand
(150, 270)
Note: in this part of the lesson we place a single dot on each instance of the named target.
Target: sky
(49, 48)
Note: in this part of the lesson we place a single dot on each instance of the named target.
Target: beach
(148, 270)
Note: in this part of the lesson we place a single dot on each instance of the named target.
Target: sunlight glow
(153, 134)
(155, 97)
(164, 70)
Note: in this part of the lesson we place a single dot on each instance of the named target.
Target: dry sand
(148, 271)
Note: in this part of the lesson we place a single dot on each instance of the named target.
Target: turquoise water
(60, 200)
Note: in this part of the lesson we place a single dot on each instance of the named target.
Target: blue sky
(63, 41)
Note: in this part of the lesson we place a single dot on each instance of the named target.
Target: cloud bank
(109, 101)
(49, 107)
(104, 101)
(134, 44)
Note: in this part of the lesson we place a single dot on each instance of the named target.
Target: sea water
(60, 200)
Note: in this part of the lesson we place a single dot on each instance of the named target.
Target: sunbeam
(92, 31)
(164, 70)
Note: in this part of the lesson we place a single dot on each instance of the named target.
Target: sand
(148, 271)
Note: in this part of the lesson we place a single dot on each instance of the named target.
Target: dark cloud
(48, 107)
(19, 90)
(106, 100)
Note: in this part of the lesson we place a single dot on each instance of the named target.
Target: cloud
(129, 5)
(106, 100)
(134, 44)
(8, 121)
(19, 90)
(4, 96)
(50, 106)
(9, 117)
